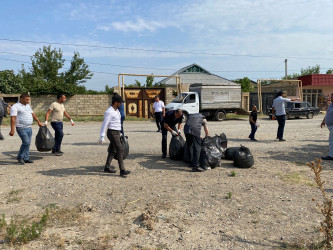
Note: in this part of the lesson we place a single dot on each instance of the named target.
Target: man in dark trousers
(279, 112)
(253, 122)
(3, 112)
(112, 121)
(192, 130)
(159, 111)
(169, 122)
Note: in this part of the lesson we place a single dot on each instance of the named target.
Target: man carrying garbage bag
(172, 117)
(112, 121)
(192, 130)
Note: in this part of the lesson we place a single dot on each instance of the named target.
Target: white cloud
(139, 25)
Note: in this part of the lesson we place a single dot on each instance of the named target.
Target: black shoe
(21, 161)
(253, 139)
(327, 158)
(58, 153)
(110, 170)
(123, 173)
(28, 161)
(282, 140)
(163, 155)
(158, 131)
(277, 138)
(196, 169)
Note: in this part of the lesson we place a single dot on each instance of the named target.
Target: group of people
(22, 116)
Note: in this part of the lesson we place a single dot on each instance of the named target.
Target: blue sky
(237, 38)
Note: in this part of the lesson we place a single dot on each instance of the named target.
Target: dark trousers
(282, 121)
(158, 117)
(194, 145)
(59, 134)
(253, 130)
(1, 136)
(164, 139)
(115, 146)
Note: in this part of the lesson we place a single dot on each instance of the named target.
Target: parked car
(298, 109)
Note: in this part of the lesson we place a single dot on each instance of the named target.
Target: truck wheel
(219, 116)
(310, 116)
(185, 117)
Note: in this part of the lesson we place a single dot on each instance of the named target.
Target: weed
(233, 173)
(299, 163)
(326, 208)
(229, 195)
(2, 222)
(297, 178)
(13, 196)
(17, 233)
(51, 206)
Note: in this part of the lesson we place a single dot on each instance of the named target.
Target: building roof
(317, 80)
(196, 74)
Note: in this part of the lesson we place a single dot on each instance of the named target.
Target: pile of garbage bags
(213, 149)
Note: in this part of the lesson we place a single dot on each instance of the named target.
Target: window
(303, 105)
(297, 105)
(190, 98)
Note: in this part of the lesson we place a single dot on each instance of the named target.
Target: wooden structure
(259, 89)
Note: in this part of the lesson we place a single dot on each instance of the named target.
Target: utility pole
(285, 66)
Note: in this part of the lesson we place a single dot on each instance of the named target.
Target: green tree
(108, 90)
(245, 83)
(45, 76)
(149, 81)
(329, 71)
(137, 84)
(10, 83)
(307, 71)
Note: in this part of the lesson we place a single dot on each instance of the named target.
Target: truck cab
(187, 101)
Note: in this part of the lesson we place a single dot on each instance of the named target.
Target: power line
(160, 51)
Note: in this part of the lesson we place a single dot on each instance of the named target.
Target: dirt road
(162, 205)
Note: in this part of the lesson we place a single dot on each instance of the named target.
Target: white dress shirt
(279, 105)
(158, 106)
(112, 120)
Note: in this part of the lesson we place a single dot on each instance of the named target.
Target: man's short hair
(116, 98)
(157, 97)
(24, 95)
(59, 96)
(179, 111)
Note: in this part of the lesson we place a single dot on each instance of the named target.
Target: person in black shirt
(253, 122)
(168, 123)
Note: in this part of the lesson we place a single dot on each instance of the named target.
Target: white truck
(212, 101)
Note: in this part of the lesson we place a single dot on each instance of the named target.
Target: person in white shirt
(279, 112)
(159, 110)
(21, 117)
(112, 121)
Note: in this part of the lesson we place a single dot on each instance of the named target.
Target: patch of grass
(13, 196)
(21, 233)
(229, 195)
(296, 178)
(300, 163)
(233, 173)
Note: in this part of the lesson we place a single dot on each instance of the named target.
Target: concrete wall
(80, 105)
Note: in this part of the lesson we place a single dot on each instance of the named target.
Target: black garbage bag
(221, 142)
(210, 155)
(44, 139)
(231, 152)
(124, 142)
(176, 148)
(243, 158)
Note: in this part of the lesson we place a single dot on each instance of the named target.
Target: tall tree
(46, 76)
(149, 81)
(137, 84)
(245, 83)
(10, 83)
(307, 71)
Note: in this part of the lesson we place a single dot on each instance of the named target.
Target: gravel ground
(162, 205)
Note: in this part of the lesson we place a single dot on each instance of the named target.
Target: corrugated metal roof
(317, 80)
(196, 77)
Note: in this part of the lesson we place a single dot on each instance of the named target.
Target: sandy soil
(162, 205)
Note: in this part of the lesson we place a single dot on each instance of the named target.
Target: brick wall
(75, 105)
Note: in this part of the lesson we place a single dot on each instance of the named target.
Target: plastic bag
(243, 158)
(176, 147)
(44, 140)
(221, 143)
(231, 152)
(124, 142)
(210, 155)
